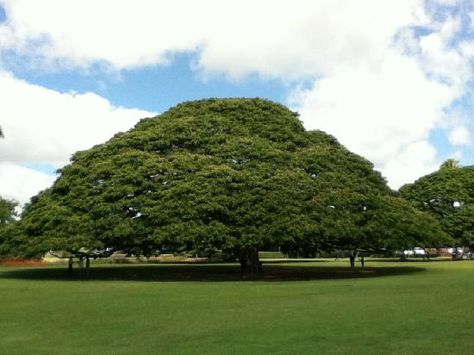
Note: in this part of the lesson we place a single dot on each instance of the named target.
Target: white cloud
(269, 37)
(413, 160)
(457, 155)
(460, 136)
(46, 126)
(20, 183)
(448, 2)
(378, 85)
(440, 59)
(380, 113)
(310, 38)
(387, 111)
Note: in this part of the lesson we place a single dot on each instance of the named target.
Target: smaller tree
(450, 164)
(448, 195)
(7, 218)
(7, 211)
(374, 223)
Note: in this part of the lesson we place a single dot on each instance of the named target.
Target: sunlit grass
(300, 308)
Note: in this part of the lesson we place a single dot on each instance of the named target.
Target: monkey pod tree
(368, 222)
(231, 175)
(448, 195)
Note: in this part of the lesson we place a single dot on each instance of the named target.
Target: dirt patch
(23, 262)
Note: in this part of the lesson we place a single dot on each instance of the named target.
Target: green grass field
(305, 308)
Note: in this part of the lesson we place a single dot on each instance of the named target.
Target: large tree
(448, 195)
(232, 175)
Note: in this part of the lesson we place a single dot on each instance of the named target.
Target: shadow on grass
(208, 272)
(413, 260)
(294, 261)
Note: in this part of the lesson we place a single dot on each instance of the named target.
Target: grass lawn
(304, 308)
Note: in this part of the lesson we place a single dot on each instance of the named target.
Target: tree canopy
(232, 175)
(448, 195)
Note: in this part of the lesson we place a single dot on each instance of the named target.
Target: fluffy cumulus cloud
(376, 114)
(269, 37)
(20, 183)
(42, 125)
(387, 110)
(46, 126)
(379, 75)
(460, 136)
(413, 160)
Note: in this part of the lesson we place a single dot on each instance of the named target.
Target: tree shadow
(295, 261)
(414, 260)
(205, 273)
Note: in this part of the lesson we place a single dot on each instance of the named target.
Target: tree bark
(352, 261)
(352, 258)
(69, 270)
(249, 261)
(88, 264)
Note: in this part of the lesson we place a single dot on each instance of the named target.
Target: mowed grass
(304, 308)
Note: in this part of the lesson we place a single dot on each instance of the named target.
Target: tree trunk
(69, 270)
(249, 261)
(88, 264)
(352, 257)
(362, 262)
(352, 261)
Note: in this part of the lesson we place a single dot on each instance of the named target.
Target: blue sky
(156, 88)
(392, 81)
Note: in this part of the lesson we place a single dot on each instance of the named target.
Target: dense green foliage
(7, 211)
(8, 217)
(406, 308)
(375, 222)
(232, 175)
(448, 194)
